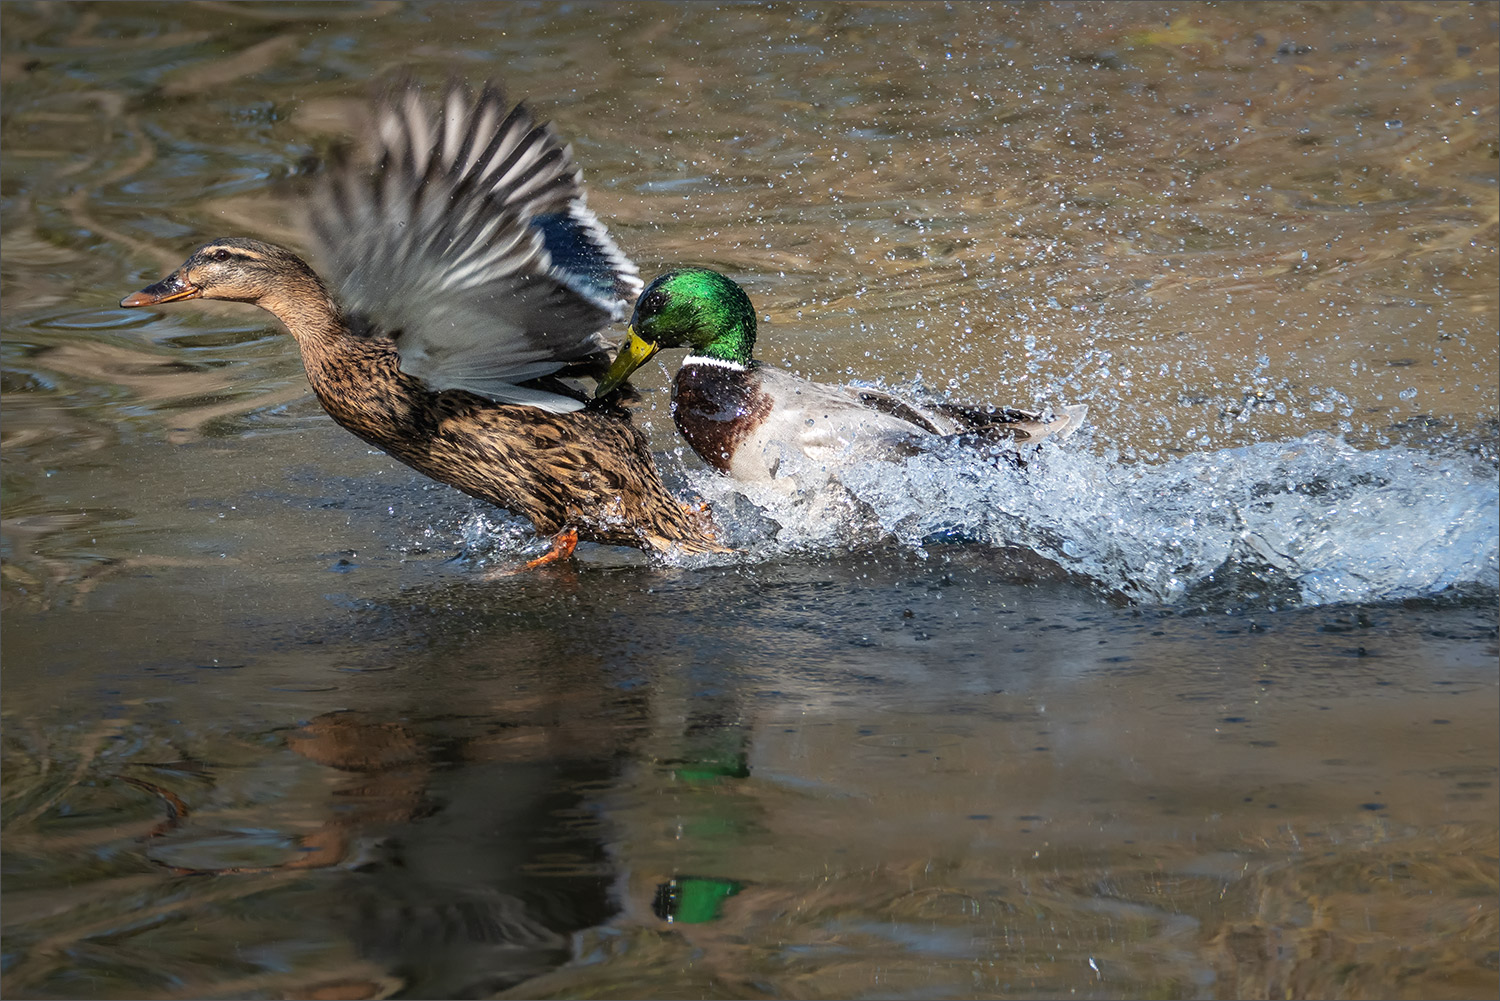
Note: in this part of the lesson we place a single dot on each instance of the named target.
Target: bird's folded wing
(471, 244)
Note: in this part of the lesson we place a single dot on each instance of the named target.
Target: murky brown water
(265, 736)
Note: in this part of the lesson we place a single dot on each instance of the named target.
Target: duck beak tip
(169, 289)
(633, 354)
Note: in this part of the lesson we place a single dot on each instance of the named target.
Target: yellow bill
(633, 354)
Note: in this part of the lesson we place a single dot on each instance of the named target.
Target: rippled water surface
(1202, 703)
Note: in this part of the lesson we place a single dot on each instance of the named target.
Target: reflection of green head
(692, 900)
(699, 309)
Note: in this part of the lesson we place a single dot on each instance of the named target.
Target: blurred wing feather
(471, 244)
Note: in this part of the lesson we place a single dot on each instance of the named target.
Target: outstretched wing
(471, 245)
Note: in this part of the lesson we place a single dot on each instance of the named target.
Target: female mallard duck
(743, 417)
(471, 278)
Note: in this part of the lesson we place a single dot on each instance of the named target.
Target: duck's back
(752, 421)
(749, 422)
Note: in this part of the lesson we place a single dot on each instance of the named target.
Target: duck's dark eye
(654, 302)
(220, 255)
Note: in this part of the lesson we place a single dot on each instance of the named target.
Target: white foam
(1332, 522)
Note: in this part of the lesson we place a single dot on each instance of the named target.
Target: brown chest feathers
(715, 409)
(590, 470)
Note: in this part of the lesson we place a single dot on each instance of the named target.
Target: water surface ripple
(1202, 703)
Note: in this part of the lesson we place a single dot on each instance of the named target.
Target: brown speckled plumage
(590, 470)
(521, 302)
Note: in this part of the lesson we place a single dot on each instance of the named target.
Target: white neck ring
(732, 366)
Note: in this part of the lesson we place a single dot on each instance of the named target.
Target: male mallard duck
(743, 417)
(471, 277)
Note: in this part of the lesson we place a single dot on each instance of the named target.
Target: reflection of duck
(743, 417)
(471, 276)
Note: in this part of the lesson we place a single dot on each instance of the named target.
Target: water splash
(1313, 519)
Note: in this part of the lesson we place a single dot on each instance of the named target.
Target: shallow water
(1202, 703)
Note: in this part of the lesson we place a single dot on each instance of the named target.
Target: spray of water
(1313, 519)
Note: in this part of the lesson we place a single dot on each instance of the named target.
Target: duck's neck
(694, 358)
(303, 304)
(331, 354)
(356, 378)
(731, 337)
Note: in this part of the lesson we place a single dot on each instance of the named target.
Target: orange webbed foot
(563, 545)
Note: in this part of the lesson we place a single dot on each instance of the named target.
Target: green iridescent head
(699, 309)
(692, 308)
